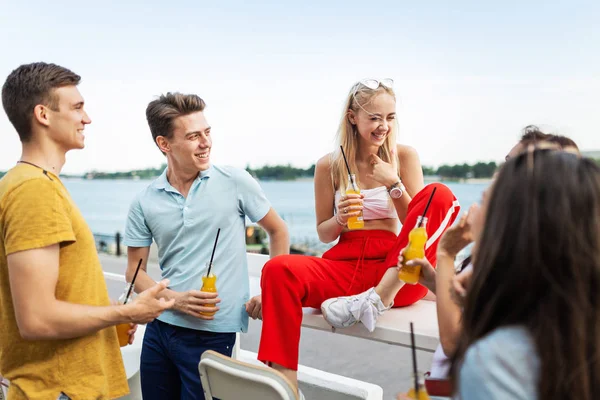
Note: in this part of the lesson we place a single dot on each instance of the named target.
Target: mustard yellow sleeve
(35, 215)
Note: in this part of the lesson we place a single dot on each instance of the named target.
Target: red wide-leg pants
(355, 264)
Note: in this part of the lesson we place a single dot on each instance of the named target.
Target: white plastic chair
(228, 379)
(3, 388)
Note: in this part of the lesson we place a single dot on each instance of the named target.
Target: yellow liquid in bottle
(209, 284)
(422, 394)
(122, 334)
(355, 222)
(416, 249)
(122, 329)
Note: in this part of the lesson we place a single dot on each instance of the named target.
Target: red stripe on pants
(355, 264)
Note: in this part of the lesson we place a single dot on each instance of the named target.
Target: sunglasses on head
(375, 83)
(371, 84)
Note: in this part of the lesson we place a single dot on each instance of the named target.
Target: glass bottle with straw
(417, 238)
(356, 221)
(123, 329)
(417, 392)
(209, 282)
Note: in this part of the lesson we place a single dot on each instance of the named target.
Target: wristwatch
(396, 190)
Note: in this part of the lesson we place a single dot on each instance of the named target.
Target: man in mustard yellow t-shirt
(57, 335)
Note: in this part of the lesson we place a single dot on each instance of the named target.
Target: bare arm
(448, 312)
(33, 276)
(328, 227)
(411, 170)
(279, 243)
(191, 302)
(279, 239)
(143, 280)
(411, 176)
(401, 204)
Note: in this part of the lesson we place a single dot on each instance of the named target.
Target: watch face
(396, 193)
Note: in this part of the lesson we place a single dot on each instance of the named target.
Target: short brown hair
(161, 112)
(532, 135)
(30, 85)
(562, 141)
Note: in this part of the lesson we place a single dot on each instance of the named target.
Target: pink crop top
(377, 204)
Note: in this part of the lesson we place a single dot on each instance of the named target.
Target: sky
(469, 75)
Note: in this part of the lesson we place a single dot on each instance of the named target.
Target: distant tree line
(287, 172)
(462, 171)
(281, 172)
(148, 173)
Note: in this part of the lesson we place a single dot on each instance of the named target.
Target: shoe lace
(363, 310)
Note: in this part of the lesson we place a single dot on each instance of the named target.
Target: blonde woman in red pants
(357, 279)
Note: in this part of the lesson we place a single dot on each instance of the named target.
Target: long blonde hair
(347, 136)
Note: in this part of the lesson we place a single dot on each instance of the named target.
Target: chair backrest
(229, 379)
(3, 388)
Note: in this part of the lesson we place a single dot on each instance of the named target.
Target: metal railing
(109, 244)
(256, 242)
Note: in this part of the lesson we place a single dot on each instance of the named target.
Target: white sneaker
(342, 312)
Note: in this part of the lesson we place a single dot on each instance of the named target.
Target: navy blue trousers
(170, 357)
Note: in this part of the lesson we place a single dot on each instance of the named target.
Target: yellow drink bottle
(209, 284)
(122, 329)
(422, 394)
(355, 222)
(416, 249)
(122, 334)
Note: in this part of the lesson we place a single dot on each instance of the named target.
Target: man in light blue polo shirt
(182, 211)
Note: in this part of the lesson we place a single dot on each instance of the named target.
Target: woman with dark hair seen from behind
(443, 280)
(531, 322)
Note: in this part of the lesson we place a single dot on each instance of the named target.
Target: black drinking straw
(133, 281)
(347, 166)
(213, 253)
(414, 357)
(427, 206)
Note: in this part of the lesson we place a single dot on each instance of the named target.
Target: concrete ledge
(393, 326)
